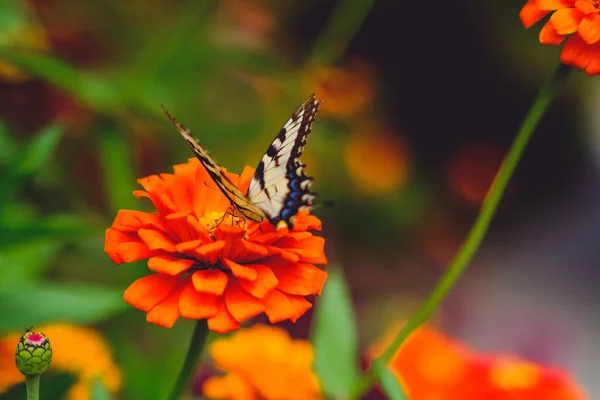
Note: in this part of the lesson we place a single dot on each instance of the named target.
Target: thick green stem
(33, 387)
(475, 237)
(191, 359)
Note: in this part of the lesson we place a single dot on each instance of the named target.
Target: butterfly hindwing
(239, 201)
(279, 186)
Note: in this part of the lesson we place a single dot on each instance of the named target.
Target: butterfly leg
(225, 214)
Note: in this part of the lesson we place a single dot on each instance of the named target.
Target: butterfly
(279, 187)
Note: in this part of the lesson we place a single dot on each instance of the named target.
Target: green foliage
(118, 171)
(99, 391)
(390, 385)
(21, 164)
(95, 91)
(83, 304)
(52, 386)
(335, 338)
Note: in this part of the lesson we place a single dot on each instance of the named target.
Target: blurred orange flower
(210, 265)
(472, 169)
(76, 349)
(263, 362)
(432, 366)
(578, 18)
(344, 90)
(377, 160)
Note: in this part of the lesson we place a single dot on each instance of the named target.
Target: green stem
(33, 387)
(475, 237)
(345, 21)
(191, 359)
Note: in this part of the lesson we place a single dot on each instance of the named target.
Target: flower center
(212, 219)
(203, 266)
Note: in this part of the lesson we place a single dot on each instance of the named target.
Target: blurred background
(419, 108)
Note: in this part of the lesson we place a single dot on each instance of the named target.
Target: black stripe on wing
(231, 192)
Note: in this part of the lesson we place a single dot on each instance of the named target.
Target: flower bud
(33, 354)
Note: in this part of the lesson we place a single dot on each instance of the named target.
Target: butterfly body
(279, 187)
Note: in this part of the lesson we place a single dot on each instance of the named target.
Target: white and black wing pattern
(280, 187)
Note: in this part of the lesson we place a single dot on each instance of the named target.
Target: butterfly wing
(280, 187)
(233, 194)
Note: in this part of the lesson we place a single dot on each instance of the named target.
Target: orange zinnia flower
(263, 362)
(430, 365)
(578, 18)
(76, 349)
(210, 265)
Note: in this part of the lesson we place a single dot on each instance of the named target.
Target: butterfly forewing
(239, 201)
(280, 187)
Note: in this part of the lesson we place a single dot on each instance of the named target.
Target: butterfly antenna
(324, 204)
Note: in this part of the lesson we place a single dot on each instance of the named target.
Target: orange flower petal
(246, 251)
(211, 252)
(299, 236)
(265, 281)
(304, 221)
(229, 233)
(576, 52)
(112, 239)
(156, 240)
(150, 183)
(550, 5)
(548, 35)
(178, 226)
(530, 13)
(132, 251)
(195, 305)
(299, 279)
(230, 386)
(240, 271)
(148, 291)
(240, 304)
(223, 321)
(182, 192)
(201, 233)
(589, 29)
(285, 254)
(310, 248)
(585, 6)
(267, 238)
(566, 21)
(188, 247)
(281, 306)
(245, 179)
(211, 281)
(166, 313)
(593, 67)
(168, 265)
(131, 221)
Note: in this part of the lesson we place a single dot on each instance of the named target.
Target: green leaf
(55, 228)
(7, 146)
(335, 338)
(116, 156)
(35, 305)
(29, 160)
(390, 385)
(26, 263)
(38, 151)
(99, 391)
